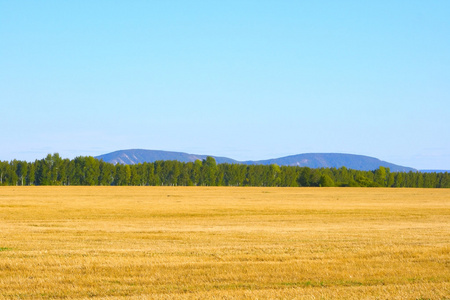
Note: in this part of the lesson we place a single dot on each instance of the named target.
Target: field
(224, 243)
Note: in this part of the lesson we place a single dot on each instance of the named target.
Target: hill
(135, 156)
(311, 160)
(435, 171)
(333, 160)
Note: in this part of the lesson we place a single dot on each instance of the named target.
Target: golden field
(224, 243)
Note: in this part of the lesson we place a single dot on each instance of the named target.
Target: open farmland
(223, 242)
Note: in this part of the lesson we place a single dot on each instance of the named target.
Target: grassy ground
(224, 243)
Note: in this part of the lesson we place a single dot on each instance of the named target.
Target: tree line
(86, 170)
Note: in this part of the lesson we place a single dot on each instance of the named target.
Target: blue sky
(243, 79)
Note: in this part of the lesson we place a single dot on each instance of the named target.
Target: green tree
(274, 173)
(381, 176)
(158, 171)
(135, 178)
(56, 166)
(22, 171)
(390, 180)
(3, 167)
(122, 175)
(174, 172)
(326, 181)
(184, 177)
(209, 171)
(43, 174)
(305, 177)
(315, 177)
(235, 175)
(289, 176)
(141, 170)
(150, 175)
(31, 173)
(444, 180)
(419, 180)
(13, 178)
(106, 173)
(92, 171)
(398, 182)
(64, 172)
(363, 180)
(196, 172)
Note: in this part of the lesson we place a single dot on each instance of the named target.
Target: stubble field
(224, 243)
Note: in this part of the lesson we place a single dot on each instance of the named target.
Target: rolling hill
(311, 160)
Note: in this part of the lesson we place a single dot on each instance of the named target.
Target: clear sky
(243, 79)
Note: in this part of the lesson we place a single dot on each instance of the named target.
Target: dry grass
(224, 243)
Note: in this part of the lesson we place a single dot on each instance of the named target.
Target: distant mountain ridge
(435, 171)
(135, 156)
(311, 160)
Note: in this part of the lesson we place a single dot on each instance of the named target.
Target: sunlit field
(224, 243)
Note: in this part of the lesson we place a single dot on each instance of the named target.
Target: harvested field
(224, 243)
